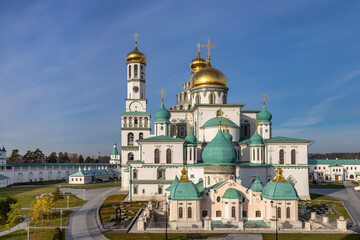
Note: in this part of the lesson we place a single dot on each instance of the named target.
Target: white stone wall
(148, 152)
(273, 150)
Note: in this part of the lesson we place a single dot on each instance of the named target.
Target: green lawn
(54, 220)
(326, 199)
(3, 222)
(107, 208)
(73, 201)
(327, 185)
(155, 236)
(92, 185)
(305, 236)
(50, 182)
(40, 234)
(25, 195)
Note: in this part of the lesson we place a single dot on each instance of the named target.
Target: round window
(218, 199)
(136, 89)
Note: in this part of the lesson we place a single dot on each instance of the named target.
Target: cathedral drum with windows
(215, 140)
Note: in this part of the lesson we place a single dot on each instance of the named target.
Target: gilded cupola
(198, 63)
(136, 55)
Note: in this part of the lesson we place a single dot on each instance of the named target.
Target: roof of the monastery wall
(334, 162)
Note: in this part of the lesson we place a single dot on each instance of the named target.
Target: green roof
(232, 193)
(255, 224)
(256, 139)
(219, 151)
(162, 114)
(286, 139)
(200, 186)
(190, 138)
(256, 186)
(279, 191)
(335, 162)
(216, 185)
(172, 184)
(184, 191)
(357, 173)
(162, 138)
(135, 113)
(86, 173)
(115, 151)
(264, 116)
(58, 164)
(228, 136)
(2, 177)
(214, 122)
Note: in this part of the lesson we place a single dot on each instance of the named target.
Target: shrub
(57, 234)
(5, 205)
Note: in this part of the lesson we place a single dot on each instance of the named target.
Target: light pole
(115, 182)
(28, 233)
(67, 202)
(166, 220)
(84, 194)
(61, 220)
(276, 218)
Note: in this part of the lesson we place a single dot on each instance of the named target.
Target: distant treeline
(334, 155)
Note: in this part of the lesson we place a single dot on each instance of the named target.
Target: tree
(52, 158)
(66, 158)
(15, 156)
(47, 203)
(89, 160)
(38, 156)
(28, 157)
(81, 159)
(36, 211)
(14, 216)
(5, 206)
(57, 194)
(63, 157)
(74, 158)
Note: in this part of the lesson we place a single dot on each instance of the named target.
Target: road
(82, 223)
(348, 195)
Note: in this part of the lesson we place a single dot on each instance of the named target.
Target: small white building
(4, 181)
(89, 176)
(334, 169)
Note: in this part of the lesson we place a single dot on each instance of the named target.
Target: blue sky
(62, 66)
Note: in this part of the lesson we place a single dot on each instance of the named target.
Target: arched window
(146, 122)
(197, 99)
(180, 212)
(281, 156)
(141, 135)
(293, 156)
(135, 174)
(135, 71)
(129, 71)
(258, 214)
(142, 71)
(212, 98)
(233, 212)
(224, 99)
(130, 139)
(189, 212)
(254, 154)
(172, 130)
(168, 156)
(135, 121)
(278, 212)
(258, 154)
(288, 212)
(157, 156)
(130, 156)
(204, 213)
(190, 154)
(208, 180)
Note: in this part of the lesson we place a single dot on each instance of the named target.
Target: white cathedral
(215, 141)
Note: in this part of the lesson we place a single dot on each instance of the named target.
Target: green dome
(256, 186)
(256, 138)
(232, 193)
(264, 116)
(184, 191)
(190, 138)
(162, 114)
(214, 122)
(219, 151)
(115, 151)
(228, 136)
(279, 190)
(172, 184)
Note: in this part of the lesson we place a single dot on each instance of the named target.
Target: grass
(155, 236)
(305, 236)
(73, 201)
(25, 195)
(326, 199)
(54, 221)
(92, 185)
(3, 222)
(50, 182)
(41, 234)
(107, 208)
(327, 185)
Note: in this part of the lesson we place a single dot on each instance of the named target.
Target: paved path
(82, 224)
(244, 236)
(348, 195)
(22, 225)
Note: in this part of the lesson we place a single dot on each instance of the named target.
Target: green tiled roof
(214, 122)
(184, 191)
(162, 114)
(255, 224)
(264, 116)
(190, 138)
(86, 173)
(220, 224)
(216, 185)
(115, 151)
(162, 138)
(279, 191)
(232, 193)
(256, 139)
(200, 186)
(172, 184)
(2, 177)
(335, 162)
(135, 113)
(286, 139)
(228, 136)
(256, 186)
(357, 173)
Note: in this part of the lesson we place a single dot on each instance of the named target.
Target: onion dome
(198, 63)
(184, 189)
(256, 139)
(228, 136)
(162, 114)
(115, 151)
(190, 138)
(209, 76)
(136, 56)
(264, 115)
(232, 193)
(256, 186)
(279, 189)
(3, 149)
(214, 122)
(219, 151)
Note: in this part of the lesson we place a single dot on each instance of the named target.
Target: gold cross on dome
(136, 36)
(256, 123)
(264, 97)
(208, 46)
(162, 95)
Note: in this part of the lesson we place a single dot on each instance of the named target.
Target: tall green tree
(28, 157)
(15, 156)
(5, 203)
(39, 156)
(52, 158)
(89, 160)
(81, 159)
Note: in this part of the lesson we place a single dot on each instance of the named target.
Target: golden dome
(198, 63)
(136, 56)
(209, 76)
